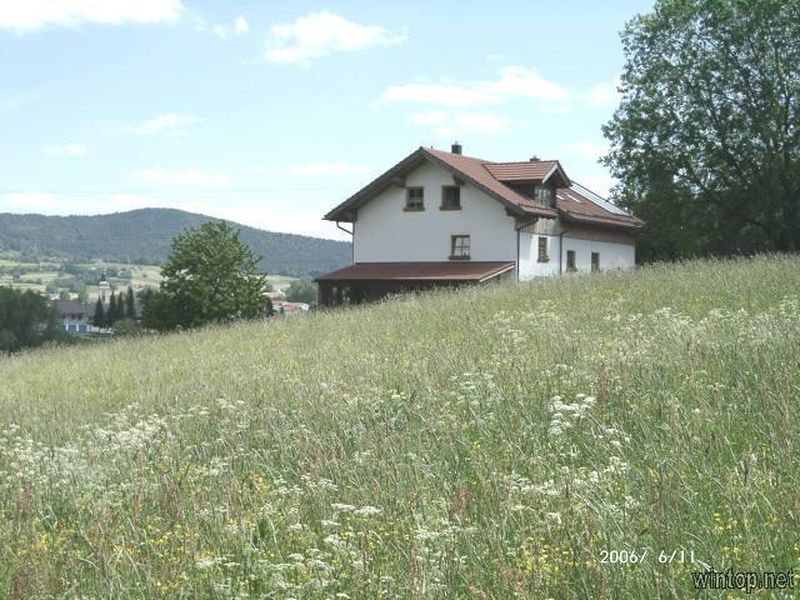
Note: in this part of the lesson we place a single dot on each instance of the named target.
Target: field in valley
(37, 276)
(498, 442)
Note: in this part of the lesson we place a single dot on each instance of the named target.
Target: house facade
(440, 218)
(76, 317)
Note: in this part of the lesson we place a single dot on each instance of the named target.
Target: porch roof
(420, 271)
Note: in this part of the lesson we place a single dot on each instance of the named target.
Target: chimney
(455, 148)
(535, 158)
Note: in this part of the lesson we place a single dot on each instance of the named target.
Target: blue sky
(270, 113)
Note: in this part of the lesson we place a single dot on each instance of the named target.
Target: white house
(442, 218)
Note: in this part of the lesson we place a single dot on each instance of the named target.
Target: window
(571, 260)
(415, 198)
(451, 197)
(459, 247)
(548, 195)
(595, 262)
(543, 249)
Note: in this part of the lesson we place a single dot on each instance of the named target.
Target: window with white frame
(415, 198)
(451, 197)
(459, 247)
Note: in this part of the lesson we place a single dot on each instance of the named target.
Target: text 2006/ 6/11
(633, 557)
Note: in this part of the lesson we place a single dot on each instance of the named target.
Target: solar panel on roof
(601, 202)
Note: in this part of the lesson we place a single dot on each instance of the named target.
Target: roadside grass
(495, 442)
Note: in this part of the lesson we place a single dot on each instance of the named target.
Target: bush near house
(494, 442)
(302, 291)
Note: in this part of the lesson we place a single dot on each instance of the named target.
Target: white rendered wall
(384, 232)
(529, 265)
(612, 256)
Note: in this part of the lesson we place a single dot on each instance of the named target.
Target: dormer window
(415, 198)
(547, 194)
(451, 197)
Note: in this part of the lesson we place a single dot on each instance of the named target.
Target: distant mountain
(143, 236)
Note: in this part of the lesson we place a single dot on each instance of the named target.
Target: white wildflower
(553, 517)
(367, 511)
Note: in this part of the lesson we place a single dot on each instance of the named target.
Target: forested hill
(143, 236)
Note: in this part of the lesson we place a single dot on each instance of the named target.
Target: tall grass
(495, 442)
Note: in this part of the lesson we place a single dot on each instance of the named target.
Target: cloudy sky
(270, 113)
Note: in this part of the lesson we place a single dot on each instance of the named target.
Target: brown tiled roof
(532, 170)
(477, 171)
(581, 205)
(572, 202)
(73, 307)
(420, 271)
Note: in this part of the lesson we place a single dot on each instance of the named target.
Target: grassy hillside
(494, 443)
(143, 237)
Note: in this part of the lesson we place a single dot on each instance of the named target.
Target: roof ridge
(526, 162)
(436, 150)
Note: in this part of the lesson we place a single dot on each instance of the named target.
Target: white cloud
(603, 94)
(31, 202)
(172, 125)
(327, 169)
(13, 101)
(599, 184)
(321, 33)
(430, 117)
(512, 82)
(67, 150)
(447, 123)
(314, 169)
(32, 15)
(590, 150)
(188, 177)
(240, 25)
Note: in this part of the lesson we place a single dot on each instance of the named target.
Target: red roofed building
(440, 218)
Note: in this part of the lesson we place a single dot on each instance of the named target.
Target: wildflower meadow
(599, 436)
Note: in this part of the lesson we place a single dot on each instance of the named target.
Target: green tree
(706, 139)
(99, 319)
(120, 314)
(209, 277)
(112, 313)
(130, 304)
(26, 319)
(125, 326)
(302, 291)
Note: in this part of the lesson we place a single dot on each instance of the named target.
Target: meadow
(589, 437)
(37, 276)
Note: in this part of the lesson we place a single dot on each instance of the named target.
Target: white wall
(612, 255)
(384, 232)
(529, 265)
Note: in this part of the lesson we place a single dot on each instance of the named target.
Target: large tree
(706, 140)
(26, 319)
(210, 276)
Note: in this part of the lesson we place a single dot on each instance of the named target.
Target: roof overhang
(346, 211)
(633, 223)
(451, 271)
(559, 175)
